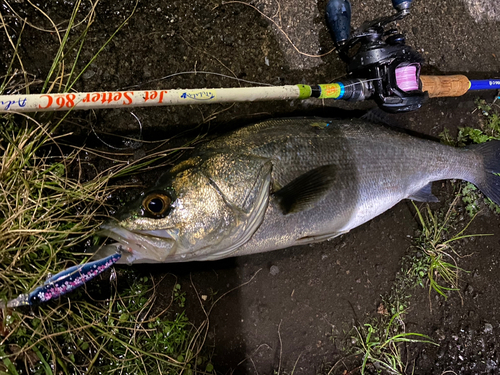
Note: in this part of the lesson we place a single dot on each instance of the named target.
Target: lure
(64, 282)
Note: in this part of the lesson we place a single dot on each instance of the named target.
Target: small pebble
(274, 270)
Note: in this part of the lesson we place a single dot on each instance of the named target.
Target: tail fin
(489, 184)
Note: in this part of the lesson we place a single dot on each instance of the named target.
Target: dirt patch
(297, 310)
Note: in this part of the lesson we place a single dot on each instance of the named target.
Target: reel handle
(338, 19)
(400, 5)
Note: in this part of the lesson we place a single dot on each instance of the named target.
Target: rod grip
(441, 86)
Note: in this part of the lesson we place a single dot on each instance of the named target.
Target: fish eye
(156, 204)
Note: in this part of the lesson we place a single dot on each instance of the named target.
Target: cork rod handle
(440, 86)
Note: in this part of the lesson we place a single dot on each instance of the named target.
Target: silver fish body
(287, 182)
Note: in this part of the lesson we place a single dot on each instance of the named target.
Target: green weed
(47, 217)
(475, 200)
(446, 138)
(489, 126)
(179, 296)
(380, 344)
(123, 332)
(430, 263)
(437, 264)
(489, 129)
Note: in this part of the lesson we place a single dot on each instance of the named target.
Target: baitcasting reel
(379, 63)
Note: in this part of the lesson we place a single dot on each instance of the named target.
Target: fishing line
(120, 148)
(198, 72)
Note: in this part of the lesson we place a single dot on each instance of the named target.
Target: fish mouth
(167, 234)
(140, 246)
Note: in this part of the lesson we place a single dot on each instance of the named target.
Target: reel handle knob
(338, 18)
(400, 5)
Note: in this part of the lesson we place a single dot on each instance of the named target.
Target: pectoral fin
(424, 194)
(303, 192)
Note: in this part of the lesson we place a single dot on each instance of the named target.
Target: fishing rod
(351, 90)
(380, 66)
